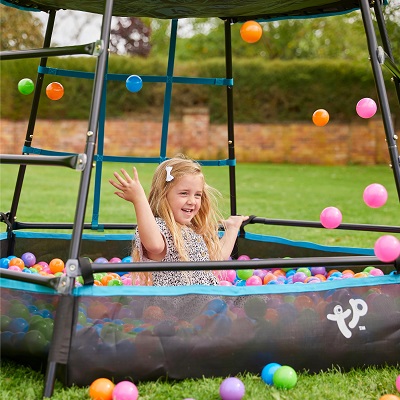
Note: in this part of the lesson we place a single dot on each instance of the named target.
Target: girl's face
(185, 196)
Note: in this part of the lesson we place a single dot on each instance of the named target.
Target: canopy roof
(238, 10)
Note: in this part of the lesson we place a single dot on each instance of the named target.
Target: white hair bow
(169, 176)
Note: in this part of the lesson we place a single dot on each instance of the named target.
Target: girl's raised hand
(129, 189)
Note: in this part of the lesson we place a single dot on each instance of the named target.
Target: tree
(130, 36)
(20, 30)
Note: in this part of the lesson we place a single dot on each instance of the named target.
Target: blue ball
(268, 371)
(134, 83)
(4, 262)
(127, 259)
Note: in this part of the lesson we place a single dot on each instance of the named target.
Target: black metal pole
(63, 323)
(386, 41)
(381, 90)
(30, 130)
(48, 52)
(230, 120)
(91, 136)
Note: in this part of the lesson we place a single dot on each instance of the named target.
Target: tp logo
(358, 307)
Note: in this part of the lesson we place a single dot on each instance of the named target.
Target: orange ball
(320, 117)
(56, 265)
(101, 389)
(251, 31)
(54, 91)
(17, 262)
(389, 397)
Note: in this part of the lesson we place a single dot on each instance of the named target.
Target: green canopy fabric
(237, 10)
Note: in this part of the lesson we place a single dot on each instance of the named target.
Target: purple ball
(231, 389)
(29, 259)
(299, 277)
(318, 270)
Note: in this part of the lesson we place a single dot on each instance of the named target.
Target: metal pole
(382, 95)
(230, 121)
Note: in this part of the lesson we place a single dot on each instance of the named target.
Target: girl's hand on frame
(129, 188)
(234, 222)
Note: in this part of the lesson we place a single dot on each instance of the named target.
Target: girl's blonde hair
(206, 221)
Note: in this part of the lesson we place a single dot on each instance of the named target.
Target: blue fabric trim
(234, 291)
(25, 286)
(85, 236)
(309, 245)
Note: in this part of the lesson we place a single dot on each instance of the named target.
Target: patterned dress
(196, 250)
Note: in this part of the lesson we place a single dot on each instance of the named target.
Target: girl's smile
(185, 196)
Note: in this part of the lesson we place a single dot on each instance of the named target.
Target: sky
(73, 27)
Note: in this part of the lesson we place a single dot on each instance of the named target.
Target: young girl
(178, 222)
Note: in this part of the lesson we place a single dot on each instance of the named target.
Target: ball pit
(387, 249)
(138, 331)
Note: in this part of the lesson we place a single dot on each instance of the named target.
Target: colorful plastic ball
(387, 248)
(254, 281)
(26, 86)
(16, 262)
(244, 257)
(4, 262)
(375, 195)
(54, 91)
(330, 217)
(231, 389)
(29, 259)
(389, 397)
(56, 265)
(320, 117)
(125, 390)
(268, 371)
(244, 273)
(285, 377)
(366, 108)
(251, 31)
(101, 389)
(134, 83)
(398, 383)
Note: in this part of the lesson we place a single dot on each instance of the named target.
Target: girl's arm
(130, 189)
(232, 225)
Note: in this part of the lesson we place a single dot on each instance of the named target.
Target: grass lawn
(295, 192)
(270, 191)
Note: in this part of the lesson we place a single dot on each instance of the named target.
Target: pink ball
(398, 383)
(230, 275)
(125, 390)
(254, 281)
(225, 283)
(375, 195)
(387, 248)
(376, 272)
(244, 257)
(330, 217)
(366, 108)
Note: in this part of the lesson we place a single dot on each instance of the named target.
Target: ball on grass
(268, 371)
(101, 389)
(285, 377)
(231, 389)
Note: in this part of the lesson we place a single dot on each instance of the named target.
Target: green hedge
(264, 91)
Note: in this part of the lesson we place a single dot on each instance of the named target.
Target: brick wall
(301, 143)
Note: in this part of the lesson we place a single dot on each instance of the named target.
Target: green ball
(305, 270)
(244, 273)
(285, 377)
(26, 86)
